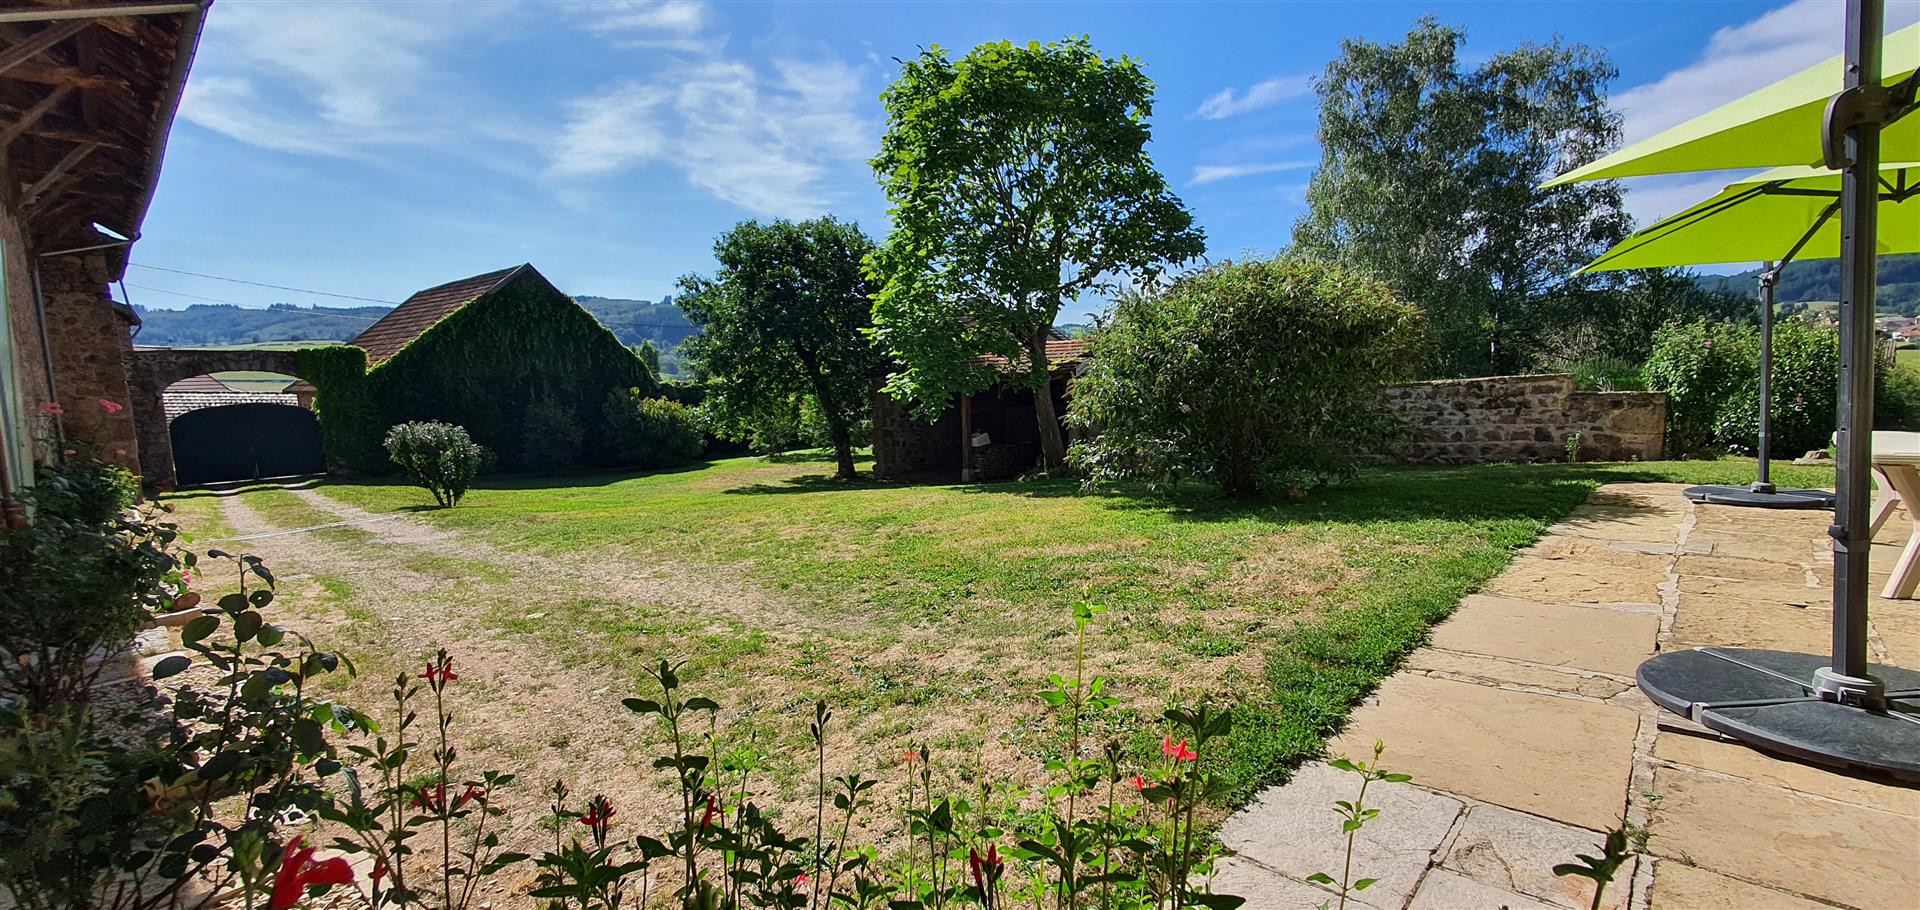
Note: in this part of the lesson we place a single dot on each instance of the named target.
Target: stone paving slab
(1516, 852)
(1586, 638)
(1561, 581)
(1797, 842)
(1735, 760)
(1678, 886)
(1706, 620)
(1296, 830)
(1484, 669)
(1443, 890)
(1564, 758)
(1522, 715)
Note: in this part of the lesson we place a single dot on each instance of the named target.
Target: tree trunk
(1053, 449)
(836, 422)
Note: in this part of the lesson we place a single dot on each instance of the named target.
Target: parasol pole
(1852, 145)
(1769, 276)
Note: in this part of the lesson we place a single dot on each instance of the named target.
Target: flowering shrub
(1710, 372)
(439, 457)
(181, 793)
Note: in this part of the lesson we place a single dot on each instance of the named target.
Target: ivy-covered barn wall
(350, 432)
(483, 365)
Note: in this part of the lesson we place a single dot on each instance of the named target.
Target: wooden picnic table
(1896, 474)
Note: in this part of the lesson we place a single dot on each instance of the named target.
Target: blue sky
(375, 149)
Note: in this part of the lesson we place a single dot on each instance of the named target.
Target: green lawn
(931, 613)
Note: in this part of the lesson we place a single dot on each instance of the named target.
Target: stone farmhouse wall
(1527, 418)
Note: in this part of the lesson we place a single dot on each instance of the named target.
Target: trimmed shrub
(651, 432)
(550, 436)
(437, 456)
(1711, 374)
(1258, 375)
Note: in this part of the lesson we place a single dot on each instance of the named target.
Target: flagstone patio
(1527, 740)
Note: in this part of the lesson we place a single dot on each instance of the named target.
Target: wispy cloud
(682, 16)
(332, 79)
(767, 142)
(1741, 58)
(1213, 173)
(1227, 103)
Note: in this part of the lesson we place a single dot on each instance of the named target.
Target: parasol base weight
(1770, 700)
(1779, 498)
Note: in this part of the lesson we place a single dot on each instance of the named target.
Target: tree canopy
(1019, 180)
(1430, 176)
(787, 315)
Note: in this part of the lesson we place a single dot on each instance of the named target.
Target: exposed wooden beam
(96, 11)
(40, 41)
(33, 114)
(60, 168)
(41, 74)
(67, 132)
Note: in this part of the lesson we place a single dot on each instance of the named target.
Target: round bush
(651, 432)
(1257, 375)
(1711, 374)
(438, 456)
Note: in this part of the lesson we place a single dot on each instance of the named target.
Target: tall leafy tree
(649, 355)
(1430, 175)
(1020, 180)
(787, 314)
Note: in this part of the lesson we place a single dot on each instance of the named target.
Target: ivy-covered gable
(482, 365)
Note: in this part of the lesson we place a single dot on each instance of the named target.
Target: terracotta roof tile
(1061, 352)
(414, 316)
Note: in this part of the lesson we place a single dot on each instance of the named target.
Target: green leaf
(198, 628)
(1320, 878)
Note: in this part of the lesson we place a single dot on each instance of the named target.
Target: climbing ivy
(350, 432)
(483, 365)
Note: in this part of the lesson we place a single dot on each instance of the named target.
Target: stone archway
(148, 376)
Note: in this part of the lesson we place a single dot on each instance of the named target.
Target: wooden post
(966, 438)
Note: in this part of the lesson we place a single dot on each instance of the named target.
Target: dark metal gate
(245, 442)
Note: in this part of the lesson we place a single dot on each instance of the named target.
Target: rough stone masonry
(1527, 418)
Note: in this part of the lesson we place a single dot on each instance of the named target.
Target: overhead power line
(262, 284)
(296, 312)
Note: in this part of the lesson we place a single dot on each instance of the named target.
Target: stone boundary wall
(1527, 418)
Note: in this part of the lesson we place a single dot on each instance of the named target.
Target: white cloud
(1741, 58)
(1212, 173)
(1226, 103)
(329, 78)
(768, 143)
(1654, 198)
(677, 16)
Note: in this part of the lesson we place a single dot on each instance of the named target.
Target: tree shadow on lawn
(1498, 492)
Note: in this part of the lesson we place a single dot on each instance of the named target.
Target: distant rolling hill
(1816, 280)
(220, 325)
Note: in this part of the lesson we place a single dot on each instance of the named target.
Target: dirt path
(520, 706)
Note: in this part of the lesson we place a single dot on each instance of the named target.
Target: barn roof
(89, 93)
(1062, 352)
(414, 316)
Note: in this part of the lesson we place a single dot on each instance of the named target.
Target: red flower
(1178, 753)
(1139, 783)
(440, 672)
(713, 808)
(110, 406)
(599, 817)
(802, 880)
(379, 872)
(52, 409)
(298, 871)
(434, 800)
(973, 860)
(913, 755)
(474, 791)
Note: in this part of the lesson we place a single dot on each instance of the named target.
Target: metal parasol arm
(1861, 105)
